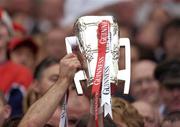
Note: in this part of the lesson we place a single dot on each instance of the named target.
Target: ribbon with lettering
(102, 33)
(63, 116)
(106, 86)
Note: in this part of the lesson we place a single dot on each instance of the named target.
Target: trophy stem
(92, 122)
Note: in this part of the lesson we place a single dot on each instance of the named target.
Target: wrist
(63, 82)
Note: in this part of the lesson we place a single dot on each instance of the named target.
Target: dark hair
(13, 122)
(172, 117)
(29, 43)
(48, 125)
(46, 63)
(168, 72)
(83, 122)
(174, 23)
(108, 122)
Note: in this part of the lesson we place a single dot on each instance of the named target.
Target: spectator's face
(24, 6)
(172, 43)
(3, 42)
(56, 7)
(78, 106)
(150, 115)
(144, 86)
(160, 16)
(121, 9)
(4, 112)
(55, 45)
(48, 78)
(148, 36)
(171, 98)
(171, 124)
(24, 56)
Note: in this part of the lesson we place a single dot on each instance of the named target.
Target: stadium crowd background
(32, 43)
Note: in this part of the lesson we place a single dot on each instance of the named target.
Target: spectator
(167, 73)
(16, 6)
(125, 115)
(170, 39)
(159, 16)
(171, 120)
(5, 109)
(14, 79)
(55, 43)
(52, 17)
(144, 86)
(148, 36)
(22, 12)
(23, 51)
(150, 115)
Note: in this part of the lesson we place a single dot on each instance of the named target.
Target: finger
(68, 58)
(71, 60)
(76, 64)
(71, 55)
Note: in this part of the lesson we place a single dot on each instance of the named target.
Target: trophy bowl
(86, 30)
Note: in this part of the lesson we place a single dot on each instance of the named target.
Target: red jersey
(11, 73)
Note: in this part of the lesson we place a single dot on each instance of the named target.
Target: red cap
(18, 27)
(26, 42)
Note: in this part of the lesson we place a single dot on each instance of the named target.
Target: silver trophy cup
(85, 45)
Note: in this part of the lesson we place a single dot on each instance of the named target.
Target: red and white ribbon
(103, 31)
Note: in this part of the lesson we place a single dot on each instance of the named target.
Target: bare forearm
(41, 111)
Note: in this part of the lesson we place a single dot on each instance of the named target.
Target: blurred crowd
(32, 44)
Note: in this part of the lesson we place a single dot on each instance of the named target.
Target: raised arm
(40, 112)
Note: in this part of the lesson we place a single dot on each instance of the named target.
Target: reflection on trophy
(97, 46)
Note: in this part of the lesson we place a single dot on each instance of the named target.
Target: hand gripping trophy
(97, 46)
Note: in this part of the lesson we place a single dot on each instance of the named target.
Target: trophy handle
(125, 74)
(80, 75)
